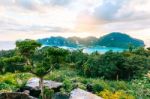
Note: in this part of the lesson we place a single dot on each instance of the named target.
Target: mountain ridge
(113, 39)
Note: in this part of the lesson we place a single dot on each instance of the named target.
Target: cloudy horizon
(20, 19)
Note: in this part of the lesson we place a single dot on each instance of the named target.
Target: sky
(20, 19)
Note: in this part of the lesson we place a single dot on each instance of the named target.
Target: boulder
(33, 86)
(34, 83)
(15, 95)
(82, 94)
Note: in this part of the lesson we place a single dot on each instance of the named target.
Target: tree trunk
(41, 85)
(117, 77)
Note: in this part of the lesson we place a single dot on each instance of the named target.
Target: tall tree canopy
(39, 61)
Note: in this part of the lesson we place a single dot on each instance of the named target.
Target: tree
(8, 53)
(92, 67)
(1, 66)
(135, 66)
(11, 64)
(114, 65)
(141, 51)
(57, 55)
(39, 61)
(78, 58)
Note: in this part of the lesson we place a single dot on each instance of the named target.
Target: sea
(8, 45)
(91, 49)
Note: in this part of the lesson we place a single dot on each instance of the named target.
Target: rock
(82, 94)
(15, 95)
(26, 92)
(59, 95)
(33, 86)
(34, 83)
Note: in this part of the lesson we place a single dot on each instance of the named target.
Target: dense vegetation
(122, 75)
(114, 39)
(57, 41)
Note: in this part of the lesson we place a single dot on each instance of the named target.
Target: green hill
(57, 41)
(114, 39)
(117, 39)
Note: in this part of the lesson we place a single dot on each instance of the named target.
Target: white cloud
(40, 18)
(135, 9)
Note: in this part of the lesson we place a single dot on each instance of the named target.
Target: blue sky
(20, 19)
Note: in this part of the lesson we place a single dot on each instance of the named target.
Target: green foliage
(91, 66)
(114, 39)
(106, 65)
(141, 51)
(78, 58)
(11, 64)
(57, 41)
(141, 88)
(71, 80)
(97, 87)
(135, 65)
(12, 82)
(48, 93)
(8, 53)
(120, 40)
(68, 86)
(40, 61)
(27, 47)
(114, 65)
(106, 94)
(112, 74)
(118, 85)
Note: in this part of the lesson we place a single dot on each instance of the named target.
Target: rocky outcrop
(82, 94)
(32, 86)
(15, 95)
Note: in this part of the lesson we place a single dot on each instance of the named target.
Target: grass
(13, 81)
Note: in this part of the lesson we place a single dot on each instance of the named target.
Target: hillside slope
(117, 39)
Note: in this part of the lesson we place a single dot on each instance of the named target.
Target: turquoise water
(100, 49)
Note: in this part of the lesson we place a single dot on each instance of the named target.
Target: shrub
(98, 87)
(67, 85)
(118, 85)
(48, 93)
(141, 88)
(106, 94)
(11, 82)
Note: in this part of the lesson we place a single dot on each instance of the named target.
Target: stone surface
(32, 86)
(34, 83)
(82, 94)
(15, 95)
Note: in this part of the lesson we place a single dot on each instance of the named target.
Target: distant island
(117, 39)
(114, 39)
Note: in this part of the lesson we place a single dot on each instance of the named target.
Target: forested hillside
(117, 39)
